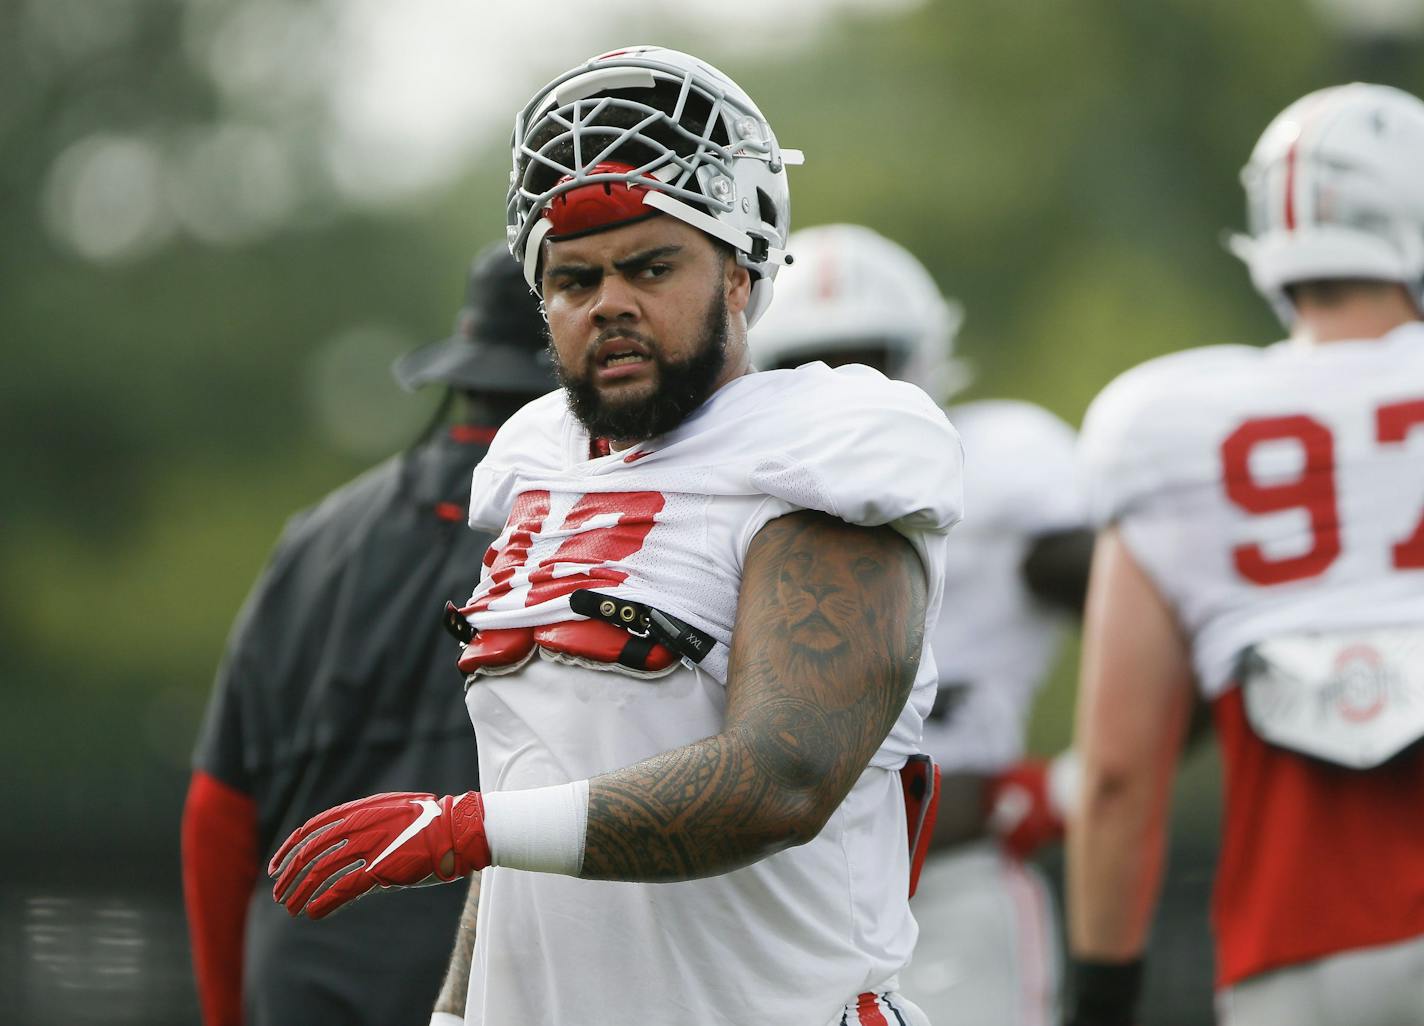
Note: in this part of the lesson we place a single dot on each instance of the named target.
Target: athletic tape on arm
(540, 830)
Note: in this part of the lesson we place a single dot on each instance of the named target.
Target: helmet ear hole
(767, 207)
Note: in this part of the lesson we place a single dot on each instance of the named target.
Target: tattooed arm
(827, 641)
(457, 978)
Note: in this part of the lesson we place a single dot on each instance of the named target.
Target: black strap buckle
(455, 623)
(644, 621)
(761, 247)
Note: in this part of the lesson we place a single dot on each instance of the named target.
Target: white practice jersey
(995, 642)
(1269, 491)
(792, 937)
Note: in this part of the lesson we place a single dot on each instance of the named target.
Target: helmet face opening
(663, 126)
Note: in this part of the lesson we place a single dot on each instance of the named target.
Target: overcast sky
(380, 100)
(430, 78)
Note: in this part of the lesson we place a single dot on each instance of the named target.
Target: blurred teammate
(336, 682)
(988, 949)
(683, 824)
(1262, 539)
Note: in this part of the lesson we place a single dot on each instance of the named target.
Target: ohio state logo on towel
(1354, 698)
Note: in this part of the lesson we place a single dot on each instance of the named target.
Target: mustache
(631, 334)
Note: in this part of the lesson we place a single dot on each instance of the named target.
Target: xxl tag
(1353, 698)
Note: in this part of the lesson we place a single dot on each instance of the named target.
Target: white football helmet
(658, 128)
(851, 289)
(1335, 189)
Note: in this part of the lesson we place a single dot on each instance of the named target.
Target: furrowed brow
(638, 261)
(586, 274)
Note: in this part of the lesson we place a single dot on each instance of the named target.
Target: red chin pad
(596, 206)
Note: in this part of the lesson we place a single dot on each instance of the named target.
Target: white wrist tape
(446, 1019)
(1065, 781)
(541, 830)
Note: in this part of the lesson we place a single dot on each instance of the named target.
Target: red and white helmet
(647, 130)
(1335, 189)
(852, 289)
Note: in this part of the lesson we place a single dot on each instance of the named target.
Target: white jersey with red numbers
(995, 642)
(1270, 490)
(793, 937)
(1273, 494)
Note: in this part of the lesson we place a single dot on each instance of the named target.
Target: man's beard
(682, 386)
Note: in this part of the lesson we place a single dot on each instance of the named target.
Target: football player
(988, 949)
(681, 823)
(1262, 539)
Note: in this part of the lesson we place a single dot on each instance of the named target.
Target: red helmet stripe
(1310, 114)
(1290, 184)
(596, 205)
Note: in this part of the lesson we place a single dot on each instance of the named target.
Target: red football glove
(1029, 803)
(386, 840)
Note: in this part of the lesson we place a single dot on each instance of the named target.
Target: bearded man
(680, 822)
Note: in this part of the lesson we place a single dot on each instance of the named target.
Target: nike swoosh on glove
(401, 839)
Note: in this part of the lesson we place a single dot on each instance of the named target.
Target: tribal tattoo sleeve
(827, 641)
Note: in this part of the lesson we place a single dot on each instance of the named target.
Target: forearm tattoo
(457, 977)
(829, 626)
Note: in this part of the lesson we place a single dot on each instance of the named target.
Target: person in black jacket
(338, 681)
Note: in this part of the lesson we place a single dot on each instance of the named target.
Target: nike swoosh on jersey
(428, 811)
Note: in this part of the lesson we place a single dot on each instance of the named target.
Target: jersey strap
(631, 634)
(644, 621)
(503, 650)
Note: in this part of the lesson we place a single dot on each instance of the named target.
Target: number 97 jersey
(1268, 491)
(1275, 498)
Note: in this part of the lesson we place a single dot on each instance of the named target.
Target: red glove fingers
(331, 816)
(313, 866)
(386, 840)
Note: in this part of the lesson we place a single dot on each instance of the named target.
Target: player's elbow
(802, 820)
(1111, 789)
(811, 817)
(806, 798)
